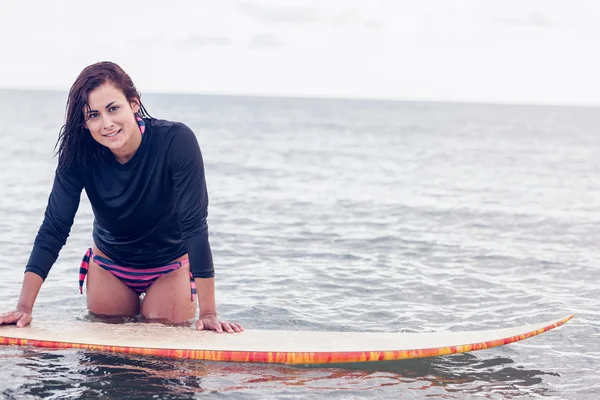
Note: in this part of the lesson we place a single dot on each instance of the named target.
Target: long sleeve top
(148, 211)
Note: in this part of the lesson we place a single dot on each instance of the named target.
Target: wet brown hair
(75, 143)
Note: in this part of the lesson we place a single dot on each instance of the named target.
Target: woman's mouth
(112, 135)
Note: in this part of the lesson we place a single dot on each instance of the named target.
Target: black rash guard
(148, 211)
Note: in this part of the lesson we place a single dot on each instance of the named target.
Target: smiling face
(111, 121)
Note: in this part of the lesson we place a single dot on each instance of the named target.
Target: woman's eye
(113, 108)
(92, 115)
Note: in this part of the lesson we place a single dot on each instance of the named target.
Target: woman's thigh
(107, 295)
(169, 298)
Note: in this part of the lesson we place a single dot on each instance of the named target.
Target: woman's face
(111, 120)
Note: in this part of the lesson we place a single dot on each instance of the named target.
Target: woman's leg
(169, 298)
(107, 295)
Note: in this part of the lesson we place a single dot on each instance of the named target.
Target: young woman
(144, 178)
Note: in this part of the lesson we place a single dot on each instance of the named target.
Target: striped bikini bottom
(137, 279)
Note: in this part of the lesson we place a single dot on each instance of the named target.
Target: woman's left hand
(211, 322)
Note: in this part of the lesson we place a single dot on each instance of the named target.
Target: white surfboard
(263, 346)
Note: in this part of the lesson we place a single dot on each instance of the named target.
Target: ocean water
(345, 215)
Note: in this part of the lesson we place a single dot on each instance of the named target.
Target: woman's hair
(75, 143)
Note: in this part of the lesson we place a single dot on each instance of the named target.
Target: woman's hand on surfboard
(19, 317)
(212, 323)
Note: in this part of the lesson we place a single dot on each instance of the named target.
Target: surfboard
(262, 346)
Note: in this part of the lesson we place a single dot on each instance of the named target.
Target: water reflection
(73, 374)
(465, 373)
(83, 374)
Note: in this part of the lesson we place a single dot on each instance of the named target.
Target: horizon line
(337, 98)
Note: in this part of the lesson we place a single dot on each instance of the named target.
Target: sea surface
(352, 216)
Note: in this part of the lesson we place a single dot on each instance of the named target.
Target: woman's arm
(21, 316)
(187, 169)
(208, 310)
(52, 236)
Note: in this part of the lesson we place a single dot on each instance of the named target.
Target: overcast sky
(516, 51)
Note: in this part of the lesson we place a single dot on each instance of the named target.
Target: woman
(145, 181)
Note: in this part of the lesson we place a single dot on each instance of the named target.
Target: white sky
(517, 51)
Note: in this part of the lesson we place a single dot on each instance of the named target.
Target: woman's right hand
(19, 317)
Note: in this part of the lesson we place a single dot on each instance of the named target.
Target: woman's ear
(135, 105)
